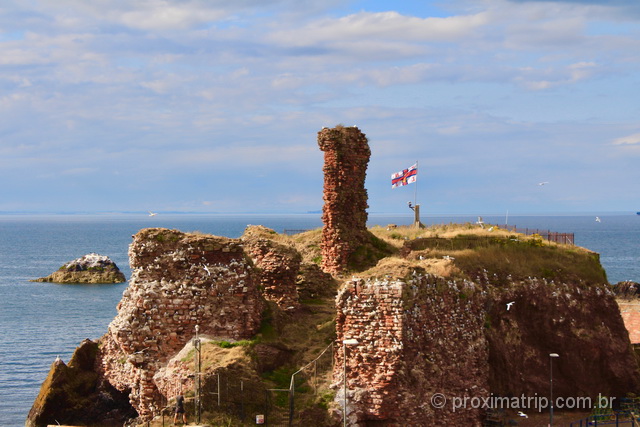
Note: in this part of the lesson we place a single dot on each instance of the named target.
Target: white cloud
(378, 26)
(633, 139)
(553, 76)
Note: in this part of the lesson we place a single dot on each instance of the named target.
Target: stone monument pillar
(344, 215)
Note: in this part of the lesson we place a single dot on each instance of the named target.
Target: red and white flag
(404, 177)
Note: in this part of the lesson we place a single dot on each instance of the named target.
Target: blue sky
(214, 106)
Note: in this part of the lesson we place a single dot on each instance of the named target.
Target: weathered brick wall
(279, 266)
(416, 339)
(427, 336)
(346, 156)
(178, 281)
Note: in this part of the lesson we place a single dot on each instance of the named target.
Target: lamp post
(551, 357)
(198, 362)
(345, 343)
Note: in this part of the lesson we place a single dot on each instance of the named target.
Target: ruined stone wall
(279, 266)
(178, 281)
(425, 335)
(346, 156)
(416, 339)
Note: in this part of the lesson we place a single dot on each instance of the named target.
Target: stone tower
(344, 215)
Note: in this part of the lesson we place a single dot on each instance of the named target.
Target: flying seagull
(509, 304)
(522, 414)
(207, 270)
(543, 182)
(598, 219)
(480, 222)
(152, 213)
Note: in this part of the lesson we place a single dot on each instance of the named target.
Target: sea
(41, 321)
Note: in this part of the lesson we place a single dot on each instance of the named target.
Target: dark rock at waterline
(91, 268)
(74, 394)
(626, 289)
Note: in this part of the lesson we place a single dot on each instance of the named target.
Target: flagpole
(415, 190)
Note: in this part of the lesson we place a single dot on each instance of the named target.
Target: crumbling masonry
(344, 215)
(178, 281)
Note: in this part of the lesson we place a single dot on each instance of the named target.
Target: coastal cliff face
(581, 323)
(178, 281)
(75, 394)
(425, 341)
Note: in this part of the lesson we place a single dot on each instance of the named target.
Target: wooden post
(416, 217)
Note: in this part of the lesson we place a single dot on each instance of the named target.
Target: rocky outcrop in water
(90, 268)
(627, 290)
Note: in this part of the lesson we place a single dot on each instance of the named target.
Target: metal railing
(548, 235)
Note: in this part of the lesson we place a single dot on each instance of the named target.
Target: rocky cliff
(76, 394)
(90, 268)
(425, 326)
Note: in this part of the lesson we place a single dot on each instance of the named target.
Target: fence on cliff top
(548, 235)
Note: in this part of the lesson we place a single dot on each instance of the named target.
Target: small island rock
(91, 268)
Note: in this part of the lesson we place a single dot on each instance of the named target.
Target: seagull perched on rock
(448, 258)
(522, 414)
(509, 304)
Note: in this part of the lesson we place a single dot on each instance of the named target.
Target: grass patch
(368, 254)
(520, 260)
(231, 344)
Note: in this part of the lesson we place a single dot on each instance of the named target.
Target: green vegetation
(503, 255)
(228, 344)
(368, 254)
